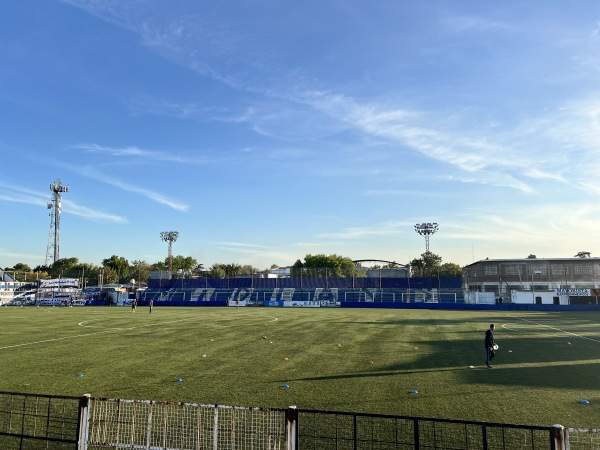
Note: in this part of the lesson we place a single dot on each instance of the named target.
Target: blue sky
(265, 130)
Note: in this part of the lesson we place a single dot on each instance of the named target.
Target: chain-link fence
(321, 430)
(30, 421)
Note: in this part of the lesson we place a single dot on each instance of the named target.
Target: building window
(490, 270)
(538, 269)
(583, 269)
(513, 269)
(559, 269)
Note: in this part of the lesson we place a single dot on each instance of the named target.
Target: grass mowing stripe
(553, 328)
(88, 334)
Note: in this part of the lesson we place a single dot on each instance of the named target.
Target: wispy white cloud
(387, 228)
(19, 194)
(141, 154)
(91, 214)
(154, 196)
(256, 251)
(241, 245)
(474, 23)
(19, 256)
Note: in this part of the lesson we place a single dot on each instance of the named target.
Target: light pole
(170, 237)
(426, 230)
(535, 272)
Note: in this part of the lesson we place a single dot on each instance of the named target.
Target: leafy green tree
(22, 272)
(109, 275)
(322, 265)
(88, 273)
(21, 267)
(428, 265)
(217, 271)
(182, 262)
(120, 266)
(140, 270)
(450, 270)
(64, 268)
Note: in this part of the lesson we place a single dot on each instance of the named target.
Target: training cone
(179, 380)
(414, 391)
(585, 402)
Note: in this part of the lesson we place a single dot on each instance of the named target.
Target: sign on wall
(573, 292)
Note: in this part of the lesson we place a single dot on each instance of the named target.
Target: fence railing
(29, 421)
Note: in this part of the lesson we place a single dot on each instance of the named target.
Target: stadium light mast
(170, 237)
(426, 230)
(56, 208)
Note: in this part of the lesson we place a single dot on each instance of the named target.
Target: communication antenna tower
(426, 230)
(170, 237)
(55, 207)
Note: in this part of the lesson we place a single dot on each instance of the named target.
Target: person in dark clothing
(489, 346)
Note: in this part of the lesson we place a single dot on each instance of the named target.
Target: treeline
(117, 269)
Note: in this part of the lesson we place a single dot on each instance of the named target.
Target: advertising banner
(573, 292)
(61, 302)
(236, 303)
(294, 303)
(59, 282)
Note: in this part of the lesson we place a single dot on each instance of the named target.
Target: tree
(531, 257)
(583, 255)
(322, 265)
(450, 270)
(428, 265)
(109, 275)
(140, 270)
(21, 272)
(217, 271)
(64, 268)
(120, 266)
(186, 263)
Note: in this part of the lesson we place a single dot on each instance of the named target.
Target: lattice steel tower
(55, 207)
(426, 230)
(170, 237)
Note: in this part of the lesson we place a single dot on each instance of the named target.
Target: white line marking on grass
(553, 328)
(110, 330)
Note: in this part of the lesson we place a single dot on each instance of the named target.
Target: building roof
(533, 259)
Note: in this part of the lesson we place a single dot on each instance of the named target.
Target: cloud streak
(19, 194)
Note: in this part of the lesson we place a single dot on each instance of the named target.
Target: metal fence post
(559, 438)
(83, 422)
(291, 428)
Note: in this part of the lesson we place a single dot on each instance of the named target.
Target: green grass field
(359, 360)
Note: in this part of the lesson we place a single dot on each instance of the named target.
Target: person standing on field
(489, 346)
(151, 304)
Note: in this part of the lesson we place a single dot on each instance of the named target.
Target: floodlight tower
(55, 207)
(170, 237)
(426, 230)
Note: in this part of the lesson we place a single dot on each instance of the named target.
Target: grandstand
(324, 291)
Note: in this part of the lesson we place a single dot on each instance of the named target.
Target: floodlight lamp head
(426, 229)
(169, 236)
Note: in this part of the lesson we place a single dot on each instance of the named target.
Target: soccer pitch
(358, 360)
